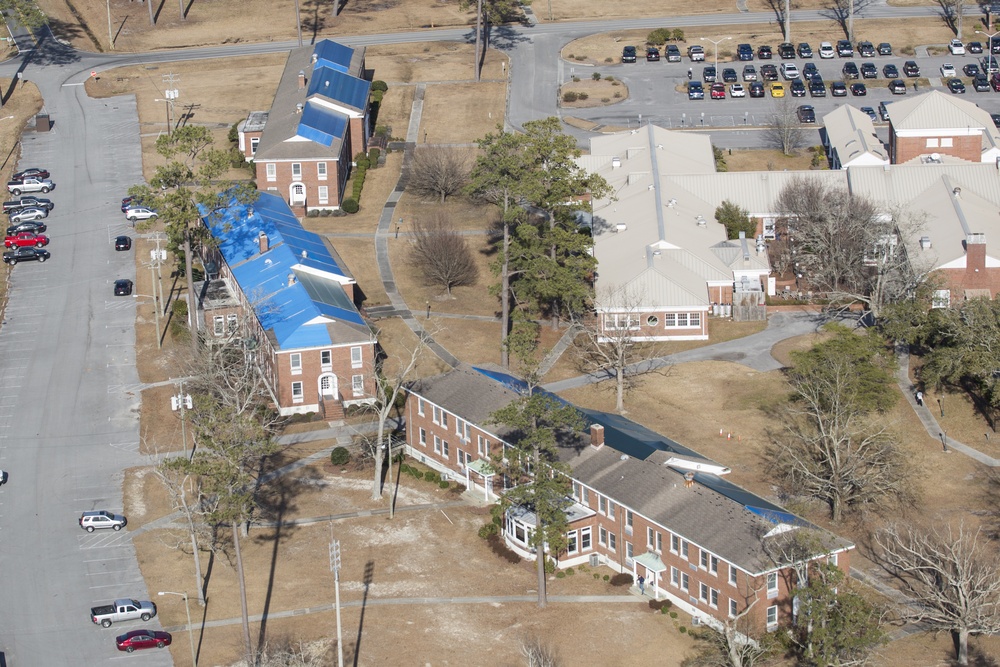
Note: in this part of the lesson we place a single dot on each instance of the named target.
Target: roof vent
(305, 255)
(650, 186)
(623, 457)
(596, 436)
(267, 262)
(957, 192)
(299, 107)
(291, 279)
(925, 243)
(671, 203)
(688, 479)
(701, 221)
(621, 227)
(616, 162)
(315, 57)
(302, 79)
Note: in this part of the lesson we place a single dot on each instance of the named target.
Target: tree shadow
(50, 51)
(839, 11)
(187, 10)
(315, 14)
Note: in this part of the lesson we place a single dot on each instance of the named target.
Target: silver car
(90, 521)
(27, 214)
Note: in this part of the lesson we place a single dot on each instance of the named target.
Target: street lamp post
(187, 610)
(989, 44)
(182, 402)
(715, 49)
(335, 567)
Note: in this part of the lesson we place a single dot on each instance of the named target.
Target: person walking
(920, 397)
(690, 73)
(642, 585)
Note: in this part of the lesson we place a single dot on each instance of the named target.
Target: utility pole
(298, 22)
(149, 3)
(171, 94)
(183, 15)
(182, 402)
(335, 568)
(156, 258)
(850, 20)
(111, 37)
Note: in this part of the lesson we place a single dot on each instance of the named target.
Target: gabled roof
(935, 110)
(321, 124)
(850, 134)
(296, 285)
(331, 54)
(339, 87)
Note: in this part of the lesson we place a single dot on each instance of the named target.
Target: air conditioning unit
(695, 621)
(595, 560)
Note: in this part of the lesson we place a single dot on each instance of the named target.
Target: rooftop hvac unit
(595, 560)
(621, 227)
(925, 242)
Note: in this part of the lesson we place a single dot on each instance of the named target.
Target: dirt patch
(591, 93)
(461, 113)
(764, 159)
(432, 61)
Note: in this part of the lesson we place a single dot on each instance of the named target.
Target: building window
(685, 580)
(947, 142)
(232, 320)
(703, 592)
(675, 544)
(652, 321)
(297, 395)
(941, 299)
(220, 324)
(675, 576)
(659, 542)
(571, 542)
(463, 458)
(437, 445)
(420, 407)
(733, 608)
(321, 171)
(772, 617)
(772, 585)
(684, 549)
(445, 452)
(694, 319)
(670, 320)
(270, 189)
(602, 504)
(932, 142)
(296, 361)
(423, 437)
(832, 560)
(602, 536)
(713, 564)
(440, 417)
(296, 170)
(649, 539)
(612, 509)
(254, 142)
(612, 540)
(326, 360)
(621, 321)
(272, 171)
(586, 496)
(703, 559)
(628, 554)
(732, 575)
(358, 385)
(713, 598)
(323, 192)
(356, 361)
(482, 446)
(585, 539)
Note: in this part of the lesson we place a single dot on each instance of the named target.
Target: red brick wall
(312, 369)
(416, 421)
(659, 330)
(310, 179)
(904, 149)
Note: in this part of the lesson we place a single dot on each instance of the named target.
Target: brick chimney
(596, 436)
(262, 241)
(975, 262)
(302, 80)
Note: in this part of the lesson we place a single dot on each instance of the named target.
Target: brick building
(287, 294)
(304, 146)
(641, 503)
(935, 127)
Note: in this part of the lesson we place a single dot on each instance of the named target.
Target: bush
(340, 456)
(443, 484)
(597, 576)
(234, 133)
(550, 566)
(605, 99)
(373, 155)
(673, 614)
(432, 476)
(314, 213)
(500, 549)
(582, 96)
(609, 60)
(623, 579)
(659, 605)
(350, 205)
(596, 76)
(663, 611)
(677, 35)
(659, 36)
(682, 630)
(380, 85)
(570, 96)
(403, 468)
(487, 529)
(570, 571)
(361, 161)
(606, 577)
(560, 575)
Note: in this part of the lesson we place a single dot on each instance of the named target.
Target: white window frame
(659, 542)
(703, 559)
(685, 582)
(628, 554)
(482, 446)
(703, 592)
(295, 363)
(734, 608)
(358, 385)
(321, 171)
(254, 142)
(612, 541)
(772, 585)
(675, 577)
(356, 359)
(650, 538)
(941, 299)
(732, 574)
(298, 395)
(420, 407)
(437, 445)
(586, 539)
(675, 544)
(572, 546)
(602, 536)
(422, 436)
(772, 617)
(326, 361)
(602, 505)
(271, 170)
(219, 324)
(297, 171)
(684, 550)
(323, 193)
(445, 450)
(713, 598)
(628, 522)
(232, 320)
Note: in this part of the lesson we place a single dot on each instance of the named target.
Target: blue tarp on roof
(339, 87)
(331, 54)
(321, 125)
(285, 309)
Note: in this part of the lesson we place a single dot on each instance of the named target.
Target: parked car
(995, 82)
(974, 47)
(756, 89)
(817, 88)
(789, 71)
(897, 87)
(764, 52)
(805, 51)
(777, 89)
(859, 89)
(30, 213)
(890, 71)
(990, 64)
(729, 75)
(838, 89)
(25, 239)
(947, 70)
(883, 110)
(749, 73)
(911, 69)
(673, 53)
(139, 213)
(885, 49)
(995, 117)
(696, 53)
(809, 70)
(744, 52)
(33, 226)
(956, 86)
(30, 254)
(695, 92)
(797, 88)
(708, 75)
(122, 610)
(866, 50)
(994, 44)
(971, 70)
(737, 90)
(845, 49)
(628, 56)
(24, 202)
(981, 84)
(34, 172)
(652, 54)
(769, 72)
(123, 287)
(3, 477)
(826, 50)
(871, 113)
(140, 639)
(29, 185)
(90, 521)
(956, 47)
(786, 50)
(850, 70)
(869, 71)
(125, 242)
(806, 114)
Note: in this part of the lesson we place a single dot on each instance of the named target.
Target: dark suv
(844, 49)
(744, 52)
(628, 54)
(869, 71)
(786, 51)
(850, 70)
(910, 68)
(695, 90)
(764, 52)
(805, 51)
(866, 49)
(708, 74)
(673, 53)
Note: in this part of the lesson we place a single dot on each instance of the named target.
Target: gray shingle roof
(466, 393)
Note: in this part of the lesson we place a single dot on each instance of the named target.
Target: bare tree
(537, 653)
(612, 342)
(783, 130)
(951, 12)
(953, 576)
(442, 254)
(439, 172)
(848, 246)
(187, 497)
(738, 643)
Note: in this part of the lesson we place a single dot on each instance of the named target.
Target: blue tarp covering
(331, 54)
(339, 87)
(321, 125)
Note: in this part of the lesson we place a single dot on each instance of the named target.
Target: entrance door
(328, 386)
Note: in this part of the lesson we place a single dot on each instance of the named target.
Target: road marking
(72, 84)
(101, 560)
(124, 583)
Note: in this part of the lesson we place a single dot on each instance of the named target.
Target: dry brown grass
(766, 159)
(599, 93)
(461, 113)
(432, 61)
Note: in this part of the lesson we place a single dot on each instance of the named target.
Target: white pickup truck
(123, 610)
(30, 185)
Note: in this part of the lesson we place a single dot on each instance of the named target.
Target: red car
(718, 91)
(24, 239)
(30, 173)
(139, 639)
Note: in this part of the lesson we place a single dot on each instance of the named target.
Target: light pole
(182, 402)
(335, 568)
(187, 610)
(989, 44)
(111, 38)
(715, 48)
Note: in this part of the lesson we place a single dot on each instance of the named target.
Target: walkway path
(925, 415)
